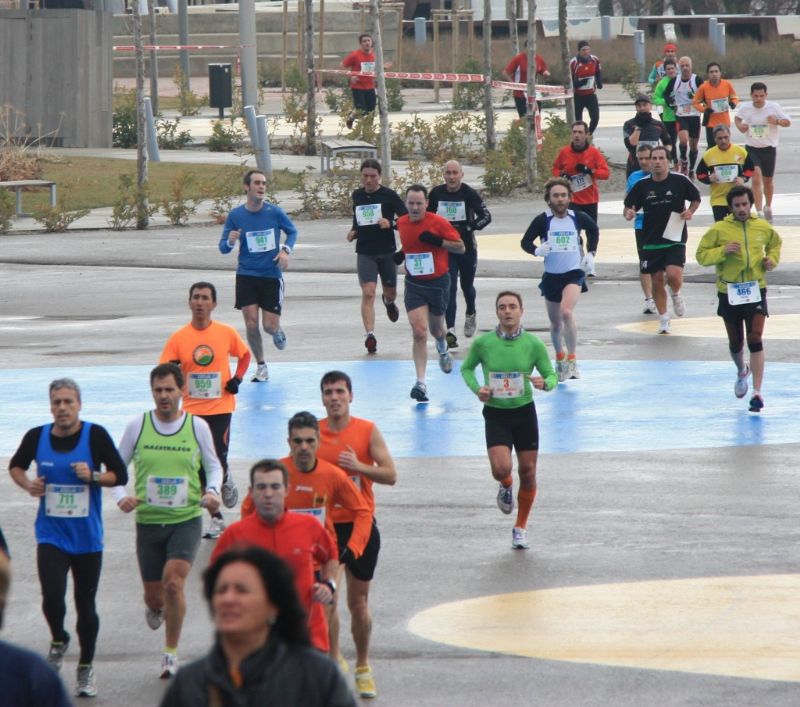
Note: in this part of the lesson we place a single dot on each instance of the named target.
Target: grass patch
(94, 182)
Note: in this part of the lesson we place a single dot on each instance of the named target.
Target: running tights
(755, 332)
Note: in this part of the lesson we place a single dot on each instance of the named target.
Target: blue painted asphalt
(618, 406)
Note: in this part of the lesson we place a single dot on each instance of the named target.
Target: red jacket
(584, 191)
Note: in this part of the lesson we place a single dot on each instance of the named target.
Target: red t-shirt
(584, 191)
(517, 69)
(355, 61)
(302, 543)
(409, 238)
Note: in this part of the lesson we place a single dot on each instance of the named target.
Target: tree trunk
(513, 28)
(530, 124)
(311, 96)
(488, 103)
(565, 59)
(142, 207)
(383, 104)
(153, 66)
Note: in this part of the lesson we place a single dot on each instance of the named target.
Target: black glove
(431, 238)
(399, 257)
(564, 175)
(346, 555)
(232, 386)
(731, 103)
(707, 113)
(583, 169)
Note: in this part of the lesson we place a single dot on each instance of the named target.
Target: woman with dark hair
(262, 653)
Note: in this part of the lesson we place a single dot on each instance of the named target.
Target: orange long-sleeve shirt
(722, 93)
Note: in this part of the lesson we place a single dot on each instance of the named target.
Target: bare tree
(311, 91)
(565, 59)
(383, 104)
(153, 65)
(513, 26)
(530, 118)
(142, 210)
(488, 103)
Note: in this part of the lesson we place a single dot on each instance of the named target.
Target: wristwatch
(286, 249)
(331, 585)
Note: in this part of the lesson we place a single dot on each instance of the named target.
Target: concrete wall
(56, 74)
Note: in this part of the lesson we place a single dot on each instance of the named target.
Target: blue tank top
(70, 513)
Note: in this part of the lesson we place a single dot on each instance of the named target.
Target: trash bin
(220, 87)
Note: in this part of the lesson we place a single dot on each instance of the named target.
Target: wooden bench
(332, 147)
(18, 186)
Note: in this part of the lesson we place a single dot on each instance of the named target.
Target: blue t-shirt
(634, 177)
(70, 513)
(259, 239)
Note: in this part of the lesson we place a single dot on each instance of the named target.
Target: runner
(516, 71)
(659, 68)
(663, 196)
(358, 447)
(375, 212)
(507, 357)
(463, 207)
(256, 226)
(167, 447)
(686, 84)
(361, 87)
(760, 119)
(427, 239)
(586, 80)
(69, 455)
(742, 247)
(645, 279)
(664, 98)
(203, 349)
(565, 266)
(714, 99)
(724, 167)
(642, 129)
(296, 538)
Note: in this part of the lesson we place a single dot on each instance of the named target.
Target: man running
(645, 279)
(167, 447)
(375, 212)
(463, 207)
(69, 455)
(298, 539)
(663, 97)
(688, 117)
(742, 247)
(659, 68)
(257, 226)
(586, 80)
(426, 239)
(663, 196)
(759, 119)
(358, 447)
(643, 129)
(516, 71)
(507, 357)
(361, 87)
(724, 166)
(565, 266)
(714, 99)
(203, 349)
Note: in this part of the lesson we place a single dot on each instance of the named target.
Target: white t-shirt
(761, 133)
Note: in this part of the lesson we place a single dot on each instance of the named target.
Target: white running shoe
(169, 665)
(230, 494)
(154, 617)
(649, 306)
(215, 528)
(572, 369)
(519, 539)
(470, 325)
(261, 374)
(664, 326)
(446, 362)
(677, 304)
(561, 370)
(505, 499)
(768, 213)
(419, 392)
(55, 656)
(740, 386)
(279, 339)
(86, 686)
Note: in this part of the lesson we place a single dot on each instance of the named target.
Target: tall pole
(142, 212)
(383, 105)
(153, 57)
(565, 58)
(183, 40)
(530, 123)
(513, 26)
(311, 95)
(249, 53)
(488, 101)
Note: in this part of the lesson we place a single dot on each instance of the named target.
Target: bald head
(453, 174)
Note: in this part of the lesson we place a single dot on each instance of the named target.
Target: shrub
(168, 136)
(125, 209)
(178, 207)
(394, 96)
(123, 131)
(469, 96)
(58, 218)
(226, 137)
(7, 209)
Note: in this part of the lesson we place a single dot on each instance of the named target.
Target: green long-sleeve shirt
(660, 99)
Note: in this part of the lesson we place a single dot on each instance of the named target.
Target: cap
(642, 98)
(583, 43)
(670, 47)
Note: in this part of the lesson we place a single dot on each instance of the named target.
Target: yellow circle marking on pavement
(779, 326)
(746, 627)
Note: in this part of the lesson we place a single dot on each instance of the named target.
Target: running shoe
(86, 685)
(261, 374)
(55, 656)
(230, 494)
(572, 369)
(519, 539)
(664, 326)
(470, 326)
(692, 175)
(419, 392)
(279, 339)
(391, 310)
(371, 343)
(561, 370)
(505, 499)
(343, 665)
(684, 168)
(452, 340)
(169, 665)
(768, 213)
(365, 683)
(740, 387)
(446, 362)
(349, 121)
(756, 403)
(215, 528)
(154, 617)
(677, 304)
(650, 306)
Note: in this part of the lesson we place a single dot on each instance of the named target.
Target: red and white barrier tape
(176, 47)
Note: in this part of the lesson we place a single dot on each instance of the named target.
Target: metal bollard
(721, 44)
(420, 31)
(152, 135)
(605, 28)
(638, 53)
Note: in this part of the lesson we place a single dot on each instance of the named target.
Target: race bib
(649, 143)
(368, 66)
(419, 263)
(167, 492)
(720, 105)
(726, 172)
(759, 131)
(506, 385)
(452, 210)
(684, 109)
(587, 82)
(563, 241)
(580, 182)
(261, 241)
(318, 513)
(66, 501)
(368, 214)
(205, 385)
(743, 292)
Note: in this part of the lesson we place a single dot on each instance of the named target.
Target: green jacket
(758, 240)
(662, 96)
